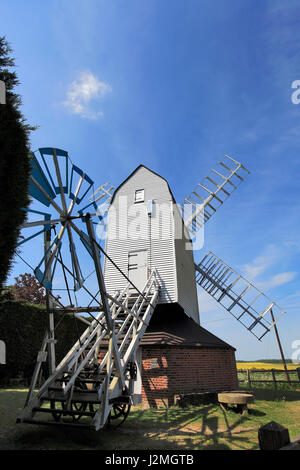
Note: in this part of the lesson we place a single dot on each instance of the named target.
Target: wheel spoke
(118, 414)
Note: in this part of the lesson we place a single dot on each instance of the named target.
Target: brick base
(170, 371)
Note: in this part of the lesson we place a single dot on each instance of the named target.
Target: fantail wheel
(52, 236)
(54, 241)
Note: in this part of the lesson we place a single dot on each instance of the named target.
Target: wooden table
(240, 400)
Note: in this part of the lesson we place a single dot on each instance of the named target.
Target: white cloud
(83, 92)
(260, 264)
(277, 280)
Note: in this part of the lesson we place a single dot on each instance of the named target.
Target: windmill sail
(237, 295)
(209, 195)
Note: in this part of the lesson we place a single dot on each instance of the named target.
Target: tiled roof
(170, 326)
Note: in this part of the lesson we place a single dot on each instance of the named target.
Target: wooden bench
(238, 399)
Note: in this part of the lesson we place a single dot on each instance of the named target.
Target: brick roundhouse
(178, 356)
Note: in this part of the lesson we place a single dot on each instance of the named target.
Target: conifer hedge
(14, 162)
(22, 328)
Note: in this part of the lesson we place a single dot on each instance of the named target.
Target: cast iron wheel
(60, 410)
(118, 414)
(79, 407)
(57, 408)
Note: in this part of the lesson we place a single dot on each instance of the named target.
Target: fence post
(249, 378)
(274, 379)
(298, 373)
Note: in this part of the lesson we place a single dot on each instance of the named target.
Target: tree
(14, 163)
(28, 289)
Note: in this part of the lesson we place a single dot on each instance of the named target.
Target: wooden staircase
(93, 384)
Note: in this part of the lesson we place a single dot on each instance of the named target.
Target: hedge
(22, 328)
(14, 162)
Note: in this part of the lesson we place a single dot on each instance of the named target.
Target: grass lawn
(197, 427)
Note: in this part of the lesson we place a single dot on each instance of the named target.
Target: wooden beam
(280, 348)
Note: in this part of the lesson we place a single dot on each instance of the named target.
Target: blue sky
(175, 85)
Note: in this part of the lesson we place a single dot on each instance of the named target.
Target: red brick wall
(167, 372)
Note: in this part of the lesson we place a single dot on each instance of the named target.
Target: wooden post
(42, 356)
(49, 306)
(273, 436)
(249, 378)
(280, 349)
(274, 379)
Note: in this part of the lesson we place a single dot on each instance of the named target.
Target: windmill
(120, 287)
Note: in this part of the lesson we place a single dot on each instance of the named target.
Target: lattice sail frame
(209, 195)
(251, 307)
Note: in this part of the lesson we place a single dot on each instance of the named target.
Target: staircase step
(92, 397)
(64, 412)
(55, 389)
(57, 423)
(84, 380)
(76, 389)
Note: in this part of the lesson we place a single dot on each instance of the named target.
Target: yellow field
(264, 365)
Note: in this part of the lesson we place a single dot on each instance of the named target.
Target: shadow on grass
(268, 394)
(57, 438)
(43, 438)
(254, 412)
(202, 427)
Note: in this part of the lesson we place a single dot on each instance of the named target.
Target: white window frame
(137, 199)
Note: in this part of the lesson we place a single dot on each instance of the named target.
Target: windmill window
(139, 195)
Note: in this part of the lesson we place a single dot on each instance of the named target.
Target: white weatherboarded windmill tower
(142, 335)
(146, 231)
